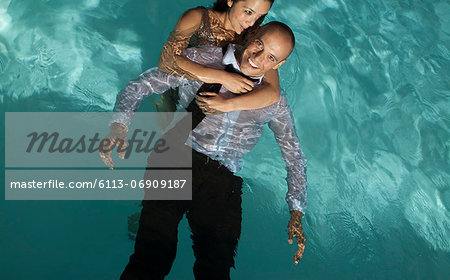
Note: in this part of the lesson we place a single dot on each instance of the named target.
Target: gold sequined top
(211, 31)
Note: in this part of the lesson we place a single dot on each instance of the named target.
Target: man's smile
(252, 63)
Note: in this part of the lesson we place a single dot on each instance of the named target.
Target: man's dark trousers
(214, 216)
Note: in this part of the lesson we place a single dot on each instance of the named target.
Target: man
(218, 143)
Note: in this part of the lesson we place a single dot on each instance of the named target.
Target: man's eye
(272, 58)
(259, 43)
(247, 12)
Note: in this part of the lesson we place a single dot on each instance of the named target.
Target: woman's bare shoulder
(191, 18)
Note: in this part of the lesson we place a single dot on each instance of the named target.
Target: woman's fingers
(201, 102)
(248, 82)
(200, 99)
(207, 93)
(206, 102)
(238, 84)
(247, 88)
(246, 85)
(212, 112)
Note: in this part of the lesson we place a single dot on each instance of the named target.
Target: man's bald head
(279, 28)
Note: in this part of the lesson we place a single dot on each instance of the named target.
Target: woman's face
(243, 14)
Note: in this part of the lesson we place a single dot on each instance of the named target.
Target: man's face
(265, 52)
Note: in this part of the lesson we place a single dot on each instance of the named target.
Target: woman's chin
(239, 30)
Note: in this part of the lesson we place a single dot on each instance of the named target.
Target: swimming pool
(369, 84)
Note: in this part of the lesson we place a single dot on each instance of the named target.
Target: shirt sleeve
(130, 98)
(285, 134)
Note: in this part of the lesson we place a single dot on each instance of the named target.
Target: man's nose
(258, 57)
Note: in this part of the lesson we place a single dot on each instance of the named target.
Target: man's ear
(279, 64)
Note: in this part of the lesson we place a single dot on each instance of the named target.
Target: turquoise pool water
(369, 84)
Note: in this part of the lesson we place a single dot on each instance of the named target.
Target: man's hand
(236, 83)
(117, 137)
(295, 229)
(211, 103)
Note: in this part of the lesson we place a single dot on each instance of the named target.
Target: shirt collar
(230, 58)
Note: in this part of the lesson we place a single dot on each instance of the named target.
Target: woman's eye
(272, 58)
(247, 12)
(259, 43)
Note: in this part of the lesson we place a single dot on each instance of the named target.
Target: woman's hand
(212, 103)
(236, 83)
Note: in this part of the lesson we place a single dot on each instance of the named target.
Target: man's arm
(130, 98)
(285, 134)
(155, 81)
(147, 83)
(127, 103)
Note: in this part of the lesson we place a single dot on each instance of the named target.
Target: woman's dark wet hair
(222, 6)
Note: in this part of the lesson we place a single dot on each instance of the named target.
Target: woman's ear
(230, 3)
